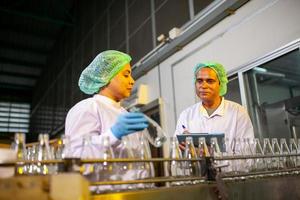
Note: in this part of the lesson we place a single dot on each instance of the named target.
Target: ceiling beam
(25, 30)
(7, 79)
(20, 69)
(15, 86)
(19, 74)
(59, 22)
(5, 60)
(22, 47)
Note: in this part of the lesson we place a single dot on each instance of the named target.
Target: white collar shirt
(229, 118)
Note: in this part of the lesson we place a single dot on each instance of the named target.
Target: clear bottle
(156, 135)
(214, 147)
(125, 170)
(106, 170)
(293, 149)
(215, 151)
(267, 149)
(285, 151)
(278, 162)
(192, 168)
(175, 168)
(44, 153)
(259, 163)
(144, 169)
(20, 149)
(203, 152)
(89, 151)
(61, 151)
(32, 155)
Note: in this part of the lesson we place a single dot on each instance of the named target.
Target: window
(233, 90)
(14, 117)
(273, 92)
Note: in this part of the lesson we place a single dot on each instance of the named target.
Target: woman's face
(121, 85)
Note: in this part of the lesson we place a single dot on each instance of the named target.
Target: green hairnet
(101, 70)
(220, 71)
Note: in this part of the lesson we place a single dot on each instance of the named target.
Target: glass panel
(200, 5)
(233, 90)
(274, 97)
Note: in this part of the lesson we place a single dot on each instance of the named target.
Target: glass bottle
(144, 169)
(106, 170)
(20, 149)
(226, 147)
(214, 147)
(203, 152)
(44, 153)
(175, 168)
(293, 150)
(278, 162)
(257, 150)
(89, 151)
(287, 162)
(267, 149)
(247, 151)
(62, 147)
(192, 168)
(32, 155)
(156, 135)
(125, 170)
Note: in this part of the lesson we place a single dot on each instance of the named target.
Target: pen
(185, 131)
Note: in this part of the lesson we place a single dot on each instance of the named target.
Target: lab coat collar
(220, 110)
(108, 101)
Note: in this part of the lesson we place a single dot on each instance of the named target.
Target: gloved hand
(129, 123)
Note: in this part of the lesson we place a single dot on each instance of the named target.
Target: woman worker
(108, 78)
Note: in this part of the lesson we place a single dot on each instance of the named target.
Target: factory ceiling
(29, 30)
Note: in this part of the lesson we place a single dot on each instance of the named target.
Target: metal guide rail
(214, 183)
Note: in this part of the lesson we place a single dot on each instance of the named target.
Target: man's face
(207, 85)
(121, 85)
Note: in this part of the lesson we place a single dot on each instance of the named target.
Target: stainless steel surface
(273, 188)
(152, 180)
(191, 192)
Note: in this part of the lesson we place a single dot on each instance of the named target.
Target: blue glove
(129, 123)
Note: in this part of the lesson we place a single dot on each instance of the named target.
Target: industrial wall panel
(87, 50)
(100, 35)
(173, 13)
(118, 33)
(116, 11)
(138, 12)
(199, 5)
(68, 86)
(159, 3)
(141, 42)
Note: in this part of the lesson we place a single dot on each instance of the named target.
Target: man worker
(214, 114)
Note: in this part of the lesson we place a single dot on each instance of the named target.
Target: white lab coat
(230, 118)
(94, 116)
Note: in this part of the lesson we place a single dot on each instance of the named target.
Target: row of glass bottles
(256, 147)
(237, 147)
(189, 168)
(117, 171)
(39, 152)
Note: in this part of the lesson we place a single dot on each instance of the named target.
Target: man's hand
(182, 146)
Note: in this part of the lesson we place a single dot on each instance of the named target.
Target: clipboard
(207, 136)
